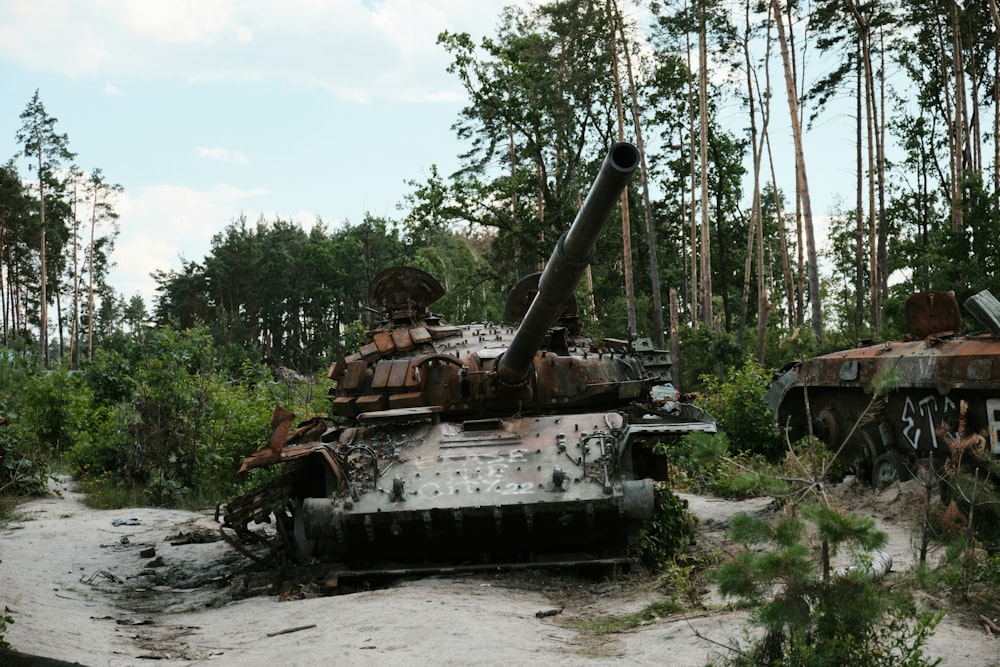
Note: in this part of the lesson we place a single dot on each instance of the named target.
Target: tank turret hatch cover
(403, 291)
(523, 293)
(932, 312)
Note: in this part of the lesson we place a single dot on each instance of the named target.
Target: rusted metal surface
(947, 382)
(435, 458)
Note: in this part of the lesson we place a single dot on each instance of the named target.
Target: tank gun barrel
(569, 260)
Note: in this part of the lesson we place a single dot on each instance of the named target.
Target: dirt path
(83, 589)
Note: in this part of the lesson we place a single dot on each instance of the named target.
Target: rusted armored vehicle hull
(478, 443)
(947, 388)
(526, 490)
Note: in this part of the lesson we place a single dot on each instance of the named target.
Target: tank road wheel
(304, 546)
(889, 469)
(867, 452)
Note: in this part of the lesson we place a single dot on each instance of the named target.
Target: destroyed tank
(946, 386)
(478, 444)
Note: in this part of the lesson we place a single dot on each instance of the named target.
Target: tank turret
(476, 444)
(569, 260)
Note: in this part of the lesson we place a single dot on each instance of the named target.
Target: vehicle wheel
(304, 545)
(889, 469)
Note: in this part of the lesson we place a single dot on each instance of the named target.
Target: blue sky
(204, 110)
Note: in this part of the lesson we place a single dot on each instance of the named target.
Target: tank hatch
(523, 293)
(565, 325)
(404, 293)
(932, 312)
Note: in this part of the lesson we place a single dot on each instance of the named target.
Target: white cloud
(113, 90)
(174, 22)
(359, 50)
(222, 155)
(165, 222)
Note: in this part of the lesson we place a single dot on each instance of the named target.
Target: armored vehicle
(477, 444)
(947, 387)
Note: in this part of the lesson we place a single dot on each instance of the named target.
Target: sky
(206, 110)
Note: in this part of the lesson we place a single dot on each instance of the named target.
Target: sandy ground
(85, 590)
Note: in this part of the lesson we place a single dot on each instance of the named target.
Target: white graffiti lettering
(910, 429)
(930, 413)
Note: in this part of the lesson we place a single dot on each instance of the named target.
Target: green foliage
(671, 528)
(5, 620)
(23, 464)
(605, 625)
(704, 353)
(56, 405)
(738, 405)
(810, 616)
(354, 335)
(275, 290)
(701, 462)
(176, 429)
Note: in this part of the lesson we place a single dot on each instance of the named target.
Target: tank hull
(945, 390)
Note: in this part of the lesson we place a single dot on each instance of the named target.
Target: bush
(23, 464)
(175, 428)
(738, 406)
(809, 615)
(701, 462)
(671, 528)
(704, 353)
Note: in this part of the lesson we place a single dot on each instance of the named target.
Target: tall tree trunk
(74, 348)
(512, 154)
(626, 222)
(59, 319)
(90, 282)
(755, 208)
(692, 133)
(763, 307)
(43, 329)
(863, 25)
(675, 340)
(589, 275)
(801, 179)
(883, 223)
(788, 279)
(961, 116)
(799, 230)
(996, 99)
(682, 199)
(786, 260)
(705, 249)
(873, 270)
(4, 312)
(954, 131)
(654, 263)
(859, 211)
